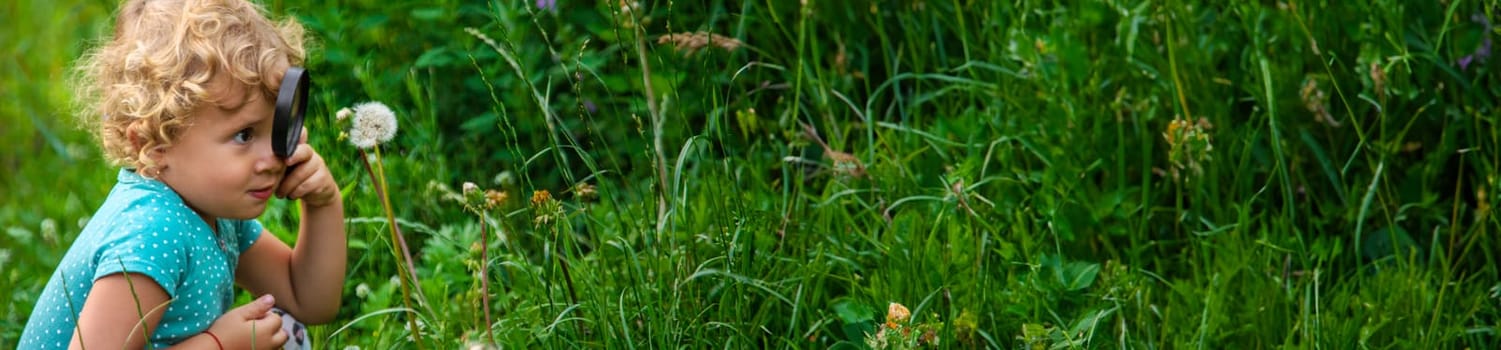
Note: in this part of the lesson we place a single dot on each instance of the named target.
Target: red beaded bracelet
(216, 339)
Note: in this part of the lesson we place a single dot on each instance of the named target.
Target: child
(183, 97)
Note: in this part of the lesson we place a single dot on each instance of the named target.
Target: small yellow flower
(495, 198)
(541, 196)
(896, 314)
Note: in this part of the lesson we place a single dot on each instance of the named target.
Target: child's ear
(138, 141)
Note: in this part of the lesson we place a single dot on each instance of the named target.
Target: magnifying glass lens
(291, 103)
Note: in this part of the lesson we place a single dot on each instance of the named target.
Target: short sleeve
(153, 254)
(250, 230)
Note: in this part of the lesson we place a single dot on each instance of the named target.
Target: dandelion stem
(401, 241)
(484, 275)
(404, 268)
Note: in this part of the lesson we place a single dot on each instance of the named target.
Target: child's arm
(307, 281)
(111, 318)
(112, 311)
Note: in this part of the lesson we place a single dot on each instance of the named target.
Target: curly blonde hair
(136, 93)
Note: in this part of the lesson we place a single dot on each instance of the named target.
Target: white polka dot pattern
(144, 227)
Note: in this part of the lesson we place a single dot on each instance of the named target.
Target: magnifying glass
(291, 103)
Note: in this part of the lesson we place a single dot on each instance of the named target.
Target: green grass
(1012, 172)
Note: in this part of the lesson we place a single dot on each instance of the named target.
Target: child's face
(222, 165)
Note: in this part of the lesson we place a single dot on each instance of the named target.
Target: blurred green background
(775, 174)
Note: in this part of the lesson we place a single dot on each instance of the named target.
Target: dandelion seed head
(380, 118)
(374, 123)
(362, 139)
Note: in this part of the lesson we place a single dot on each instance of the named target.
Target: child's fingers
(301, 154)
(295, 179)
(258, 308)
(308, 184)
(313, 178)
(279, 338)
(319, 190)
(269, 328)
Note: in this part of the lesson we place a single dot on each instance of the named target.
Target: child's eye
(244, 136)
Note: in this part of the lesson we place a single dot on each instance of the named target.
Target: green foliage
(1106, 174)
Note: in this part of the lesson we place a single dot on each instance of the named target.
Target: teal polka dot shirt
(144, 227)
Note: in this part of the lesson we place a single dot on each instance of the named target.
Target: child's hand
(253, 323)
(308, 177)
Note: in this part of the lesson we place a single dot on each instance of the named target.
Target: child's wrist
(336, 199)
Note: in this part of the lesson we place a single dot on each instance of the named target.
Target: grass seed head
(585, 191)
(690, 43)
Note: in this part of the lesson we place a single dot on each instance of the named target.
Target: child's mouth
(261, 194)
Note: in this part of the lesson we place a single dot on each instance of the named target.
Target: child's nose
(266, 159)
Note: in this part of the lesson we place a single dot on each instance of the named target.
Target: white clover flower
(362, 291)
(343, 113)
(374, 124)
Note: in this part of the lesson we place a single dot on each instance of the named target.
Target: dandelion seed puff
(374, 123)
(362, 138)
(379, 118)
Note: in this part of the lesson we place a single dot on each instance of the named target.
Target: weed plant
(852, 174)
